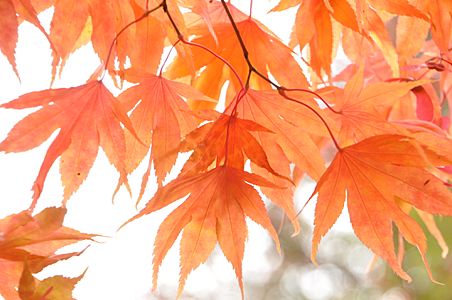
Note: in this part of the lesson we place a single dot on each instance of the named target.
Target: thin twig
(244, 49)
(165, 9)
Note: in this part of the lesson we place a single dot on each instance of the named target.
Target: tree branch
(165, 9)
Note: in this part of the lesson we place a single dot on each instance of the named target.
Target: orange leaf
(28, 244)
(87, 115)
(375, 173)
(363, 109)
(313, 26)
(52, 288)
(398, 7)
(10, 10)
(292, 127)
(429, 221)
(8, 31)
(440, 12)
(159, 114)
(215, 211)
(228, 138)
(68, 23)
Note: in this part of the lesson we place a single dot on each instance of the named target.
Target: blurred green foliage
(421, 287)
(343, 271)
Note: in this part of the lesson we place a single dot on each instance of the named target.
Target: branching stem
(280, 89)
(251, 69)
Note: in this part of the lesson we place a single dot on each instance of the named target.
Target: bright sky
(120, 267)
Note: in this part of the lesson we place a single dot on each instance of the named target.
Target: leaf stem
(165, 9)
(167, 57)
(236, 30)
(240, 95)
(243, 86)
(282, 93)
(313, 93)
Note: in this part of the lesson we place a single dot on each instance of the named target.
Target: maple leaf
(376, 173)
(227, 139)
(430, 223)
(27, 245)
(101, 22)
(153, 34)
(52, 288)
(313, 26)
(361, 111)
(68, 26)
(87, 115)
(9, 22)
(109, 17)
(230, 139)
(397, 7)
(8, 32)
(201, 8)
(440, 12)
(436, 139)
(292, 125)
(280, 193)
(214, 211)
(289, 138)
(370, 22)
(160, 115)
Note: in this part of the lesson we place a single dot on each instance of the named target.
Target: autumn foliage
(376, 136)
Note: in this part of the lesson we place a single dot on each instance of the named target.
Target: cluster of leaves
(389, 125)
(28, 245)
